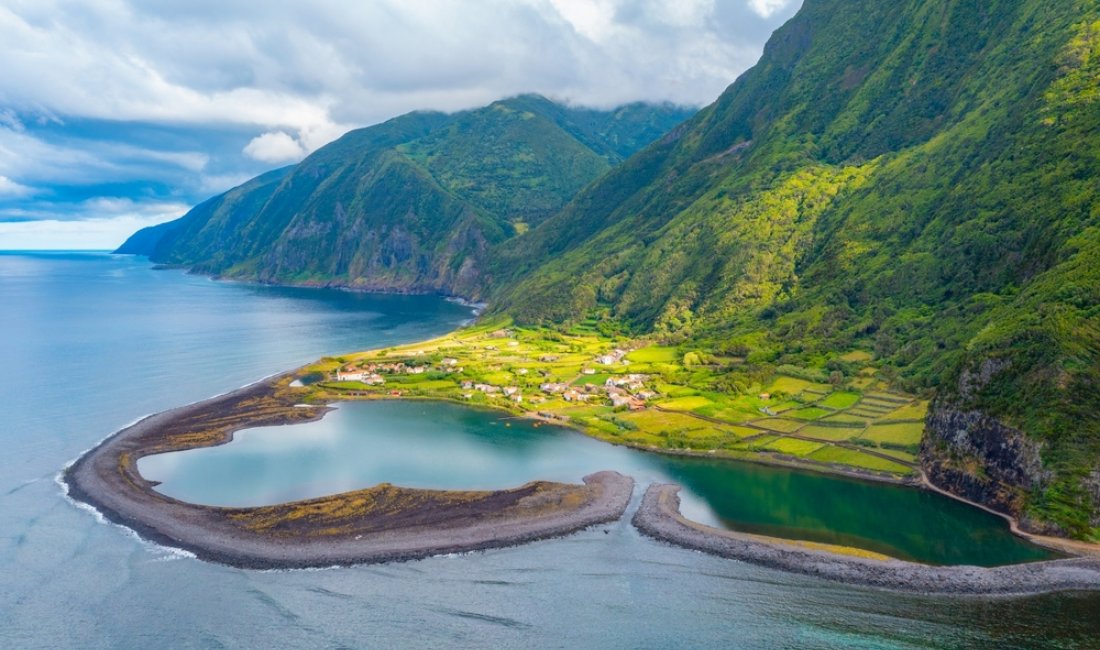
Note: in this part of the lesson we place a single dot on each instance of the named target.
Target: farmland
(648, 395)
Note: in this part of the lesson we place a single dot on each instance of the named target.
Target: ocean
(91, 342)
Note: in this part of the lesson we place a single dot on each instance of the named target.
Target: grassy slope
(917, 179)
(686, 415)
(411, 204)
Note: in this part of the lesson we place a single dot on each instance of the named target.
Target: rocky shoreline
(659, 517)
(380, 524)
(389, 523)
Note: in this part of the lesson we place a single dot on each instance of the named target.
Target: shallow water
(92, 342)
(448, 446)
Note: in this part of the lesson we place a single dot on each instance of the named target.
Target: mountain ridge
(916, 180)
(913, 181)
(409, 205)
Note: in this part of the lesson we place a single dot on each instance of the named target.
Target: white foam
(311, 569)
(168, 552)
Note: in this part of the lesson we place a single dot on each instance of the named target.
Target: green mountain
(413, 204)
(919, 179)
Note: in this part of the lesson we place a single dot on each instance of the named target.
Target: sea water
(90, 342)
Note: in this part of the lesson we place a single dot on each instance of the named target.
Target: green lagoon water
(448, 446)
(91, 342)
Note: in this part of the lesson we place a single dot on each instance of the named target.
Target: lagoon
(448, 446)
(93, 341)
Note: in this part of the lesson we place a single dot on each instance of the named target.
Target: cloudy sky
(116, 114)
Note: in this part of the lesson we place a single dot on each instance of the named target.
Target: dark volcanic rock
(981, 459)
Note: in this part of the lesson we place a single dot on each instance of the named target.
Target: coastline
(659, 517)
(386, 523)
(379, 524)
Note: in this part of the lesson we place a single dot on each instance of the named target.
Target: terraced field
(854, 424)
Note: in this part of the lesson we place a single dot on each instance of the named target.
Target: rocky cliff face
(974, 456)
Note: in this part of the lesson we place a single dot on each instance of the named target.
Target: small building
(522, 371)
(765, 396)
(511, 390)
(589, 371)
(349, 375)
(449, 362)
(619, 399)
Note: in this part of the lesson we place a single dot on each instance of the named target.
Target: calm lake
(91, 342)
(442, 445)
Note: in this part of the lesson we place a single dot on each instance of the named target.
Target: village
(645, 394)
(620, 390)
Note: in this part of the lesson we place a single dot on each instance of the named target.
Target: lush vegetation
(411, 204)
(576, 376)
(900, 196)
(915, 180)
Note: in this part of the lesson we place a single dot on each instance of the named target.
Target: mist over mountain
(412, 204)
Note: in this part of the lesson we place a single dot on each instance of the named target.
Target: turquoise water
(442, 445)
(91, 342)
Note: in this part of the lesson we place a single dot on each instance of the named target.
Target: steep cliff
(413, 204)
(916, 179)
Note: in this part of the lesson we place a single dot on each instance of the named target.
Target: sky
(119, 114)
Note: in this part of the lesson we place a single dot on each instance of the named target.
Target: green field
(892, 398)
(674, 390)
(655, 354)
(778, 424)
(431, 384)
(794, 446)
(789, 385)
(662, 421)
(831, 433)
(907, 433)
(597, 379)
(846, 417)
(842, 456)
(900, 455)
(689, 396)
(866, 413)
(810, 413)
(840, 400)
(757, 444)
(914, 411)
(686, 403)
(500, 378)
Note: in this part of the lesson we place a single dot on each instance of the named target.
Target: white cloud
(294, 76)
(275, 147)
(313, 67)
(766, 8)
(106, 223)
(11, 189)
(87, 234)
